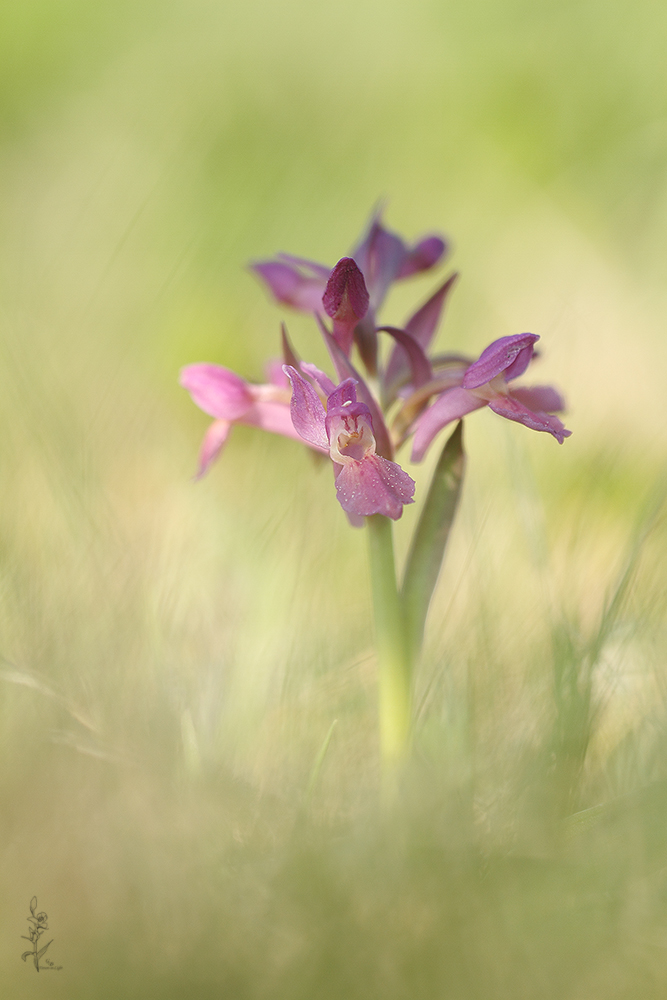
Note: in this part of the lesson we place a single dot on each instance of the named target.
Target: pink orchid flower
(231, 400)
(366, 483)
(382, 256)
(486, 383)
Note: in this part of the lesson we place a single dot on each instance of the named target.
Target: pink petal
(419, 364)
(423, 324)
(500, 357)
(343, 393)
(277, 418)
(506, 406)
(452, 405)
(541, 398)
(216, 390)
(323, 380)
(289, 285)
(276, 375)
(307, 412)
(520, 363)
(374, 486)
(423, 256)
(212, 445)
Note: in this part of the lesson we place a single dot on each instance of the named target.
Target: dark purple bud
(346, 296)
(346, 300)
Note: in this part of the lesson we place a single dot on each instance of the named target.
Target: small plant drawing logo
(38, 922)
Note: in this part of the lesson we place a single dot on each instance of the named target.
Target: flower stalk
(393, 656)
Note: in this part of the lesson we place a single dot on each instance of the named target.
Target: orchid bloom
(486, 383)
(366, 483)
(382, 256)
(231, 400)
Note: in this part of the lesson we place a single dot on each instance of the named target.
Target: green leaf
(430, 538)
(42, 950)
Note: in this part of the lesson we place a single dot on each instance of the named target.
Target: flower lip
(350, 432)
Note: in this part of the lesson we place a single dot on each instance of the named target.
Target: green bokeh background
(174, 654)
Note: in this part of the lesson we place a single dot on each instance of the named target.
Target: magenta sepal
(421, 326)
(540, 398)
(308, 414)
(512, 409)
(293, 281)
(384, 258)
(509, 355)
(380, 256)
(418, 364)
(423, 256)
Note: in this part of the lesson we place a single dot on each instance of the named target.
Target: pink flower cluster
(348, 421)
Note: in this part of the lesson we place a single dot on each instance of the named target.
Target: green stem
(394, 667)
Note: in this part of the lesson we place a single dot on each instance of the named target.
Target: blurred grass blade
(430, 538)
(628, 833)
(17, 675)
(319, 760)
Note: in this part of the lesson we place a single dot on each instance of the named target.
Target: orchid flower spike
(366, 483)
(231, 400)
(486, 383)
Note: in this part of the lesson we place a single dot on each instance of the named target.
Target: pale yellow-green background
(175, 653)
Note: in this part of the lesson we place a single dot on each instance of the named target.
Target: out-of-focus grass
(174, 655)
